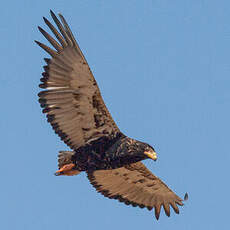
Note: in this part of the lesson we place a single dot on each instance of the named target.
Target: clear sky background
(163, 68)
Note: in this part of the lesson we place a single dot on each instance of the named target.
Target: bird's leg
(67, 170)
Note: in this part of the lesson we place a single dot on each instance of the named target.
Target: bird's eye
(149, 147)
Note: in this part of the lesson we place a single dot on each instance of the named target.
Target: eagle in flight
(75, 109)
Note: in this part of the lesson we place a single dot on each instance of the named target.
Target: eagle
(74, 107)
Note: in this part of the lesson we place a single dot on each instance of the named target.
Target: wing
(134, 184)
(71, 99)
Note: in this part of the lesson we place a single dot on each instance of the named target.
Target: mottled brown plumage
(134, 184)
(75, 109)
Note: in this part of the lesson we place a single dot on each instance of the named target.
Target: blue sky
(164, 71)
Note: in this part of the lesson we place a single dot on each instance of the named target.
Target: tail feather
(64, 159)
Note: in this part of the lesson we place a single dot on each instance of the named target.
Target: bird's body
(76, 111)
(106, 153)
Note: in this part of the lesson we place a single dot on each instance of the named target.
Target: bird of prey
(75, 109)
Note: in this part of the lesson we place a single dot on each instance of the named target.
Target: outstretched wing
(134, 184)
(71, 99)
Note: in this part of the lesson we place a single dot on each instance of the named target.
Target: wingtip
(45, 20)
(157, 216)
(157, 211)
(38, 43)
(40, 29)
(52, 14)
(185, 196)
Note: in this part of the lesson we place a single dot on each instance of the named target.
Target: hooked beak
(151, 154)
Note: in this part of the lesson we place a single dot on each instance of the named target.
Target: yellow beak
(151, 154)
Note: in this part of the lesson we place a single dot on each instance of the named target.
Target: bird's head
(149, 152)
(141, 150)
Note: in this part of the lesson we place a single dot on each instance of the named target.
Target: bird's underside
(76, 111)
(132, 184)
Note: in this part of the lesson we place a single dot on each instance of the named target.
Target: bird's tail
(66, 164)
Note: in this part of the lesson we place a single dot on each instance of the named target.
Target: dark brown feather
(55, 32)
(52, 41)
(61, 29)
(47, 49)
(134, 184)
(72, 99)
